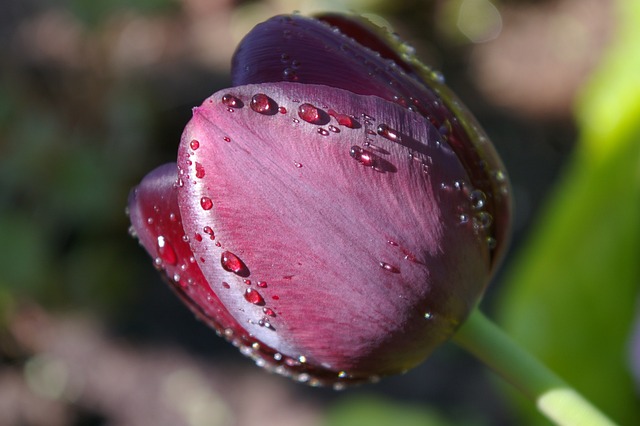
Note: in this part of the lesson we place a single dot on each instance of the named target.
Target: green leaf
(376, 411)
(570, 295)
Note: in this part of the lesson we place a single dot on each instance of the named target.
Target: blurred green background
(94, 94)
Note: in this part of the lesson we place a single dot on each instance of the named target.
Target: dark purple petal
(353, 56)
(365, 241)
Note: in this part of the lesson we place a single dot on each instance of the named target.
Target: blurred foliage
(572, 292)
(377, 411)
(93, 12)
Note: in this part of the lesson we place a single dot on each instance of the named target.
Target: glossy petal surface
(310, 51)
(156, 219)
(363, 240)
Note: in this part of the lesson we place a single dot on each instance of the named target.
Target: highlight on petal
(157, 222)
(344, 52)
(363, 236)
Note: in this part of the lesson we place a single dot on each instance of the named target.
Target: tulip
(337, 213)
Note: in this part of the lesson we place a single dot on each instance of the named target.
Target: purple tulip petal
(342, 52)
(362, 239)
(156, 220)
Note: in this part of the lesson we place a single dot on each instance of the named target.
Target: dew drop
(478, 199)
(282, 110)
(269, 311)
(226, 139)
(198, 237)
(491, 243)
(199, 170)
(194, 144)
(209, 231)
(252, 296)
(247, 282)
(232, 263)
(262, 284)
(309, 113)
(166, 252)
(482, 220)
(290, 74)
(344, 120)
(225, 284)
(298, 165)
(232, 101)
(263, 104)
(323, 132)
(387, 132)
(206, 203)
(437, 76)
(388, 267)
(428, 315)
(333, 129)
(362, 156)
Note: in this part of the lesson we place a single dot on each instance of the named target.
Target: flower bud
(334, 214)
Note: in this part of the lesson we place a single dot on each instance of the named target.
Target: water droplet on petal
(166, 252)
(388, 267)
(309, 113)
(362, 156)
(199, 170)
(478, 199)
(482, 220)
(232, 101)
(194, 144)
(290, 74)
(323, 132)
(387, 132)
(344, 120)
(209, 231)
(491, 243)
(263, 104)
(206, 203)
(269, 311)
(232, 263)
(252, 296)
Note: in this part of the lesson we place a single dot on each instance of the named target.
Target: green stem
(554, 398)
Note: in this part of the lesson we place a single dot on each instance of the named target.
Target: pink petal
(354, 56)
(157, 222)
(365, 242)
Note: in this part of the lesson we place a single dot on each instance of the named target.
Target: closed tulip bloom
(337, 213)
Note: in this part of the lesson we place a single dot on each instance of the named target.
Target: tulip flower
(337, 213)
